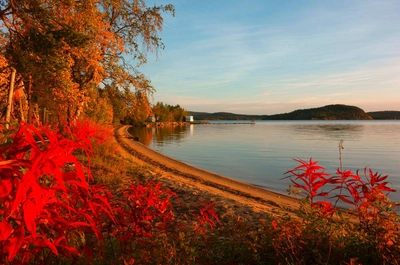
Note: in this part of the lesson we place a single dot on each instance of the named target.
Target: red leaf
(16, 243)
(46, 243)
(319, 184)
(29, 209)
(22, 190)
(72, 250)
(51, 246)
(322, 194)
(343, 198)
(383, 186)
(326, 207)
(5, 187)
(93, 226)
(77, 224)
(273, 224)
(296, 185)
(5, 230)
(380, 179)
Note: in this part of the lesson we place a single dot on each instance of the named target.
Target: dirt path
(196, 184)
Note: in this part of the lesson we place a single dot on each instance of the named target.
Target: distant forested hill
(385, 115)
(223, 116)
(330, 112)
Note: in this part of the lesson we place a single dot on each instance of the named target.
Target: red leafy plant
(367, 196)
(142, 209)
(311, 179)
(49, 206)
(147, 226)
(45, 195)
(207, 216)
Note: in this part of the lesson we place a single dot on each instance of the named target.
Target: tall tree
(141, 110)
(166, 112)
(63, 48)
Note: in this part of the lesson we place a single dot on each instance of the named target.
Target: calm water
(261, 153)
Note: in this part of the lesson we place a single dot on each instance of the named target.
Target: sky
(267, 57)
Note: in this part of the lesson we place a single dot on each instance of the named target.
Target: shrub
(46, 198)
(51, 210)
(372, 239)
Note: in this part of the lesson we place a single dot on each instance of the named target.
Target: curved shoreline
(200, 177)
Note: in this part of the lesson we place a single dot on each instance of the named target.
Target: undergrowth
(67, 197)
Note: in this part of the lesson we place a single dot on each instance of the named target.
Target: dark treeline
(330, 112)
(223, 116)
(385, 115)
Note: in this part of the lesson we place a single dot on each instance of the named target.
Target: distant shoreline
(329, 112)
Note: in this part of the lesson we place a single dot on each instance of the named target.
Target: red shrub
(368, 195)
(141, 210)
(311, 178)
(45, 194)
(207, 216)
(48, 204)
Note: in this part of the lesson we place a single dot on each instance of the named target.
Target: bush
(51, 210)
(370, 234)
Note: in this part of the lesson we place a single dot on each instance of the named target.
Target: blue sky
(268, 57)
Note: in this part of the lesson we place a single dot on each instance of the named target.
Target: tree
(124, 102)
(64, 48)
(100, 109)
(168, 113)
(142, 110)
(5, 75)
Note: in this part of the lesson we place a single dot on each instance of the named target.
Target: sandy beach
(193, 184)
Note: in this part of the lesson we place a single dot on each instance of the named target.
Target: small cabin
(151, 119)
(189, 119)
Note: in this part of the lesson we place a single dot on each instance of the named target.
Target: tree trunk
(36, 113)
(10, 97)
(21, 108)
(30, 103)
(44, 116)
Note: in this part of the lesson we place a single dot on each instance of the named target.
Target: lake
(261, 153)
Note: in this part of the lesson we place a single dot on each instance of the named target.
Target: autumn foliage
(372, 224)
(52, 211)
(45, 193)
(367, 196)
(51, 208)
(67, 54)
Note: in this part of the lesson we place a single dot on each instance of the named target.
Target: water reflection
(261, 153)
(331, 131)
(161, 135)
(143, 134)
(191, 129)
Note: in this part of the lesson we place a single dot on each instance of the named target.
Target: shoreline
(181, 173)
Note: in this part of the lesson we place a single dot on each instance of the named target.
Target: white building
(189, 119)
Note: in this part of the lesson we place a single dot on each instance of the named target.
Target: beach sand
(192, 185)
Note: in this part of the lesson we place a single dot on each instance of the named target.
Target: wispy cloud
(244, 57)
(377, 75)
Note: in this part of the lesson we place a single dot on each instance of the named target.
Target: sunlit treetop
(62, 48)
